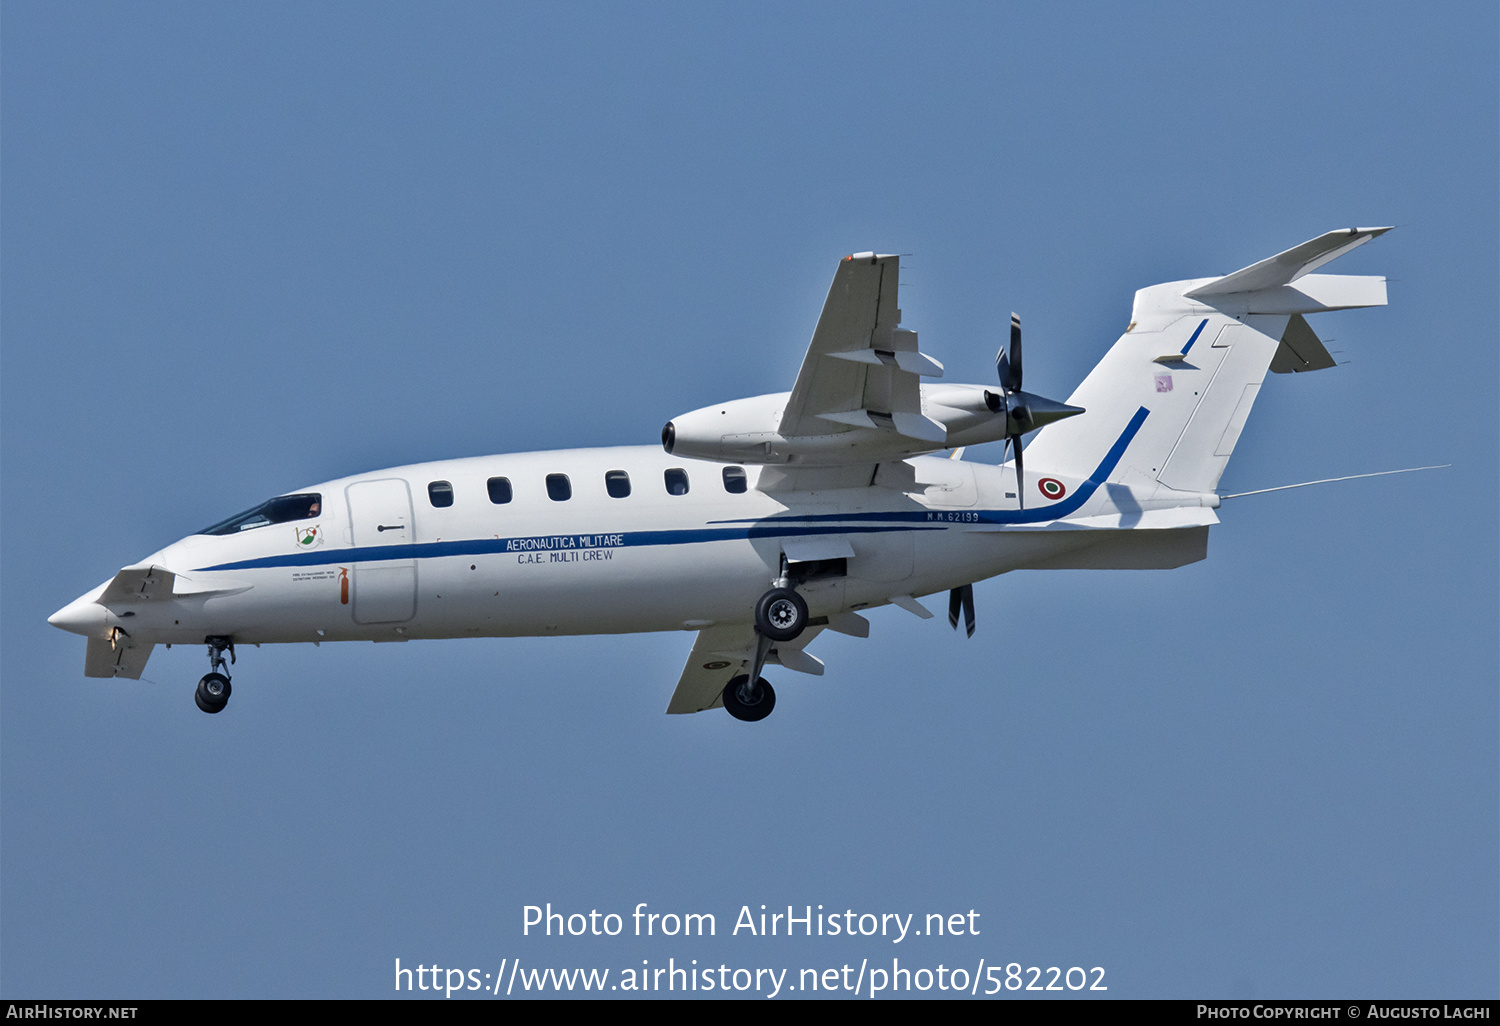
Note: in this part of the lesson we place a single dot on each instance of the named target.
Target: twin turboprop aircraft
(760, 523)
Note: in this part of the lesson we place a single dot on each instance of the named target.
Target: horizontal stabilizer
(1313, 293)
(157, 584)
(139, 584)
(1285, 268)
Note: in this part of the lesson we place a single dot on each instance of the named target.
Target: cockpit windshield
(273, 511)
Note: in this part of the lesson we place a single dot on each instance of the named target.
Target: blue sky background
(250, 247)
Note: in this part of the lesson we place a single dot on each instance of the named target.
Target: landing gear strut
(213, 690)
(780, 615)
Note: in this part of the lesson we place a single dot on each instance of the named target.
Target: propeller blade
(961, 599)
(1020, 477)
(1014, 364)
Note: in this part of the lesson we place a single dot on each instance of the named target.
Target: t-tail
(1194, 356)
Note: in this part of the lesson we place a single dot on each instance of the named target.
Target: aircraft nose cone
(81, 616)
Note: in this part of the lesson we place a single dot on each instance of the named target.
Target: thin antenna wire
(1330, 480)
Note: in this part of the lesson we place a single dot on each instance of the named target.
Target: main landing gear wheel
(749, 702)
(781, 614)
(212, 694)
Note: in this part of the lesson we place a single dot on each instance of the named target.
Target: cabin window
(440, 494)
(559, 488)
(617, 483)
(499, 489)
(734, 480)
(273, 511)
(677, 482)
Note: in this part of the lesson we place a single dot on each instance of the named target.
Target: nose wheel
(213, 691)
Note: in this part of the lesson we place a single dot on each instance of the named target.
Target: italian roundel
(1052, 488)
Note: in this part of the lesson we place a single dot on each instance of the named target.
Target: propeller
(962, 598)
(1023, 411)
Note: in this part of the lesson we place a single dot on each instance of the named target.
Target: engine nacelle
(745, 431)
(742, 431)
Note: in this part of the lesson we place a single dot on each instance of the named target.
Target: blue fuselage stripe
(769, 527)
(541, 543)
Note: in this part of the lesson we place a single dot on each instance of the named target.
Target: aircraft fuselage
(381, 561)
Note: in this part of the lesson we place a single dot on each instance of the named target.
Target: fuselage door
(384, 585)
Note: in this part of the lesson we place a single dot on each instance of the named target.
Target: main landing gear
(213, 690)
(748, 703)
(780, 615)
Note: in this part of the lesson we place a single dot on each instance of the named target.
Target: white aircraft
(762, 522)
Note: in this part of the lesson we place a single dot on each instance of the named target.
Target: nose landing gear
(213, 690)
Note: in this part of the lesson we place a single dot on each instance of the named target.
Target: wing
(862, 370)
(721, 653)
(856, 406)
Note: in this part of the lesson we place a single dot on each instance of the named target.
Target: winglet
(1285, 268)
